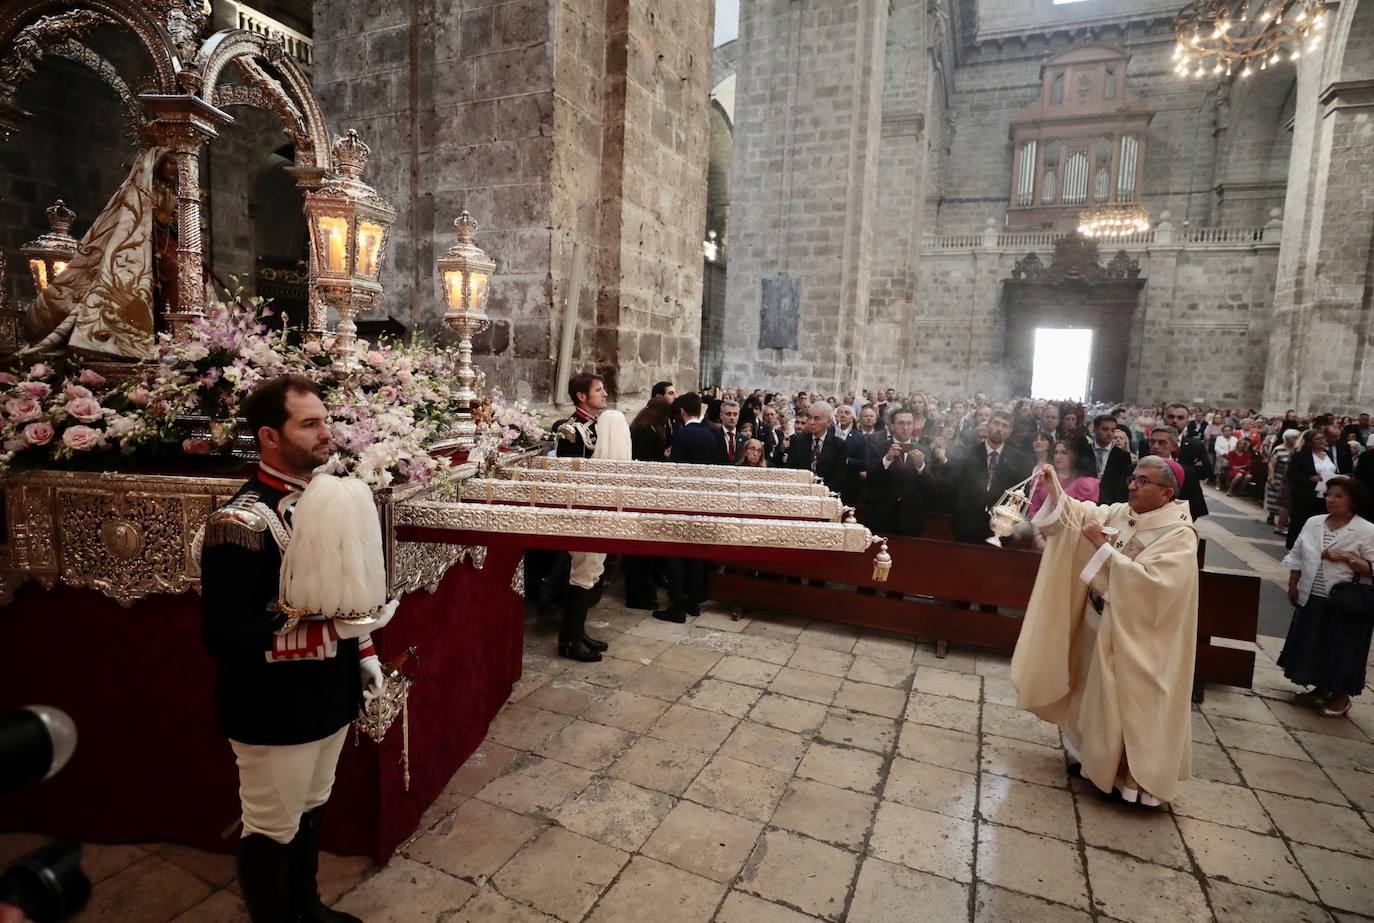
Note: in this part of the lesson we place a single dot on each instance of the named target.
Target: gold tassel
(882, 564)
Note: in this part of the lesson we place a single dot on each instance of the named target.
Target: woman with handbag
(1328, 640)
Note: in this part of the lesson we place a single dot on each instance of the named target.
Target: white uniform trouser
(278, 784)
(586, 569)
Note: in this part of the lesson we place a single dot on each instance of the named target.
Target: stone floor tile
(720, 696)
(1327, 825)
(1026, 806)
(655, 681)
(824, 812)
(1140, 892)
(776, 625)
(564, 695)
(821, 660)
(769, 747)
(782, 711)
(685, 659)
(998, 690)
(220, 907)
(943, 711)
(998, 905)
(1337, 752)
(770, 650)
(845, 767)
(1306, 718)
(544, 660)
(151, 890)
(721, 621)
(616, 813)
(1025, 761)
(805, 874)
(869, 732)
(941, 746)
(475, 841)
(830, 635)
(738, 788)
(692, 727)
(923, 841)
(1152, 836)
(932, 788)
(590, 746)
(956, 660)
(884, 647)
(404, 891)
(650, 890)
(1212, 762)
(1244, 857)
(657, 630)
(102, 860)
(560, 873)
(659, 765)
(489, 906)
(1005, 721)
(339, 874)
(1245, 706)
(867, 697)
(1202, 730)
(522, 727)
(936, 681)
(637, 649)
(989, 664)
(879, 672)
(13, 845)
(1357, 786)
(1344, 881)
(805, 685)
(890, 893)
(487, 762)
(745, 670)
(746, 908)
(1237, 904)
(703, 841)
(609, 671)
(628, 711)
(1233, 805)
(1031, 864)
(537, 785)
(1261, 738)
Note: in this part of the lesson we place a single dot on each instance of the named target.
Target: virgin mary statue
(101, 305)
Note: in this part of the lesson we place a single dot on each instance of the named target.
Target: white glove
(373, 680)
(349, 630)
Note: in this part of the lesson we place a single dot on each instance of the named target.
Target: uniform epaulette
(241, 521)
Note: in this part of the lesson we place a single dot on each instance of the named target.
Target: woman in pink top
(1076, 470)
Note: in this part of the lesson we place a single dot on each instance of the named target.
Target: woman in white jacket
(1325, 650)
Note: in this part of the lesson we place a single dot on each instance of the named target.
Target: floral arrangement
(57, 414)
(518, 425)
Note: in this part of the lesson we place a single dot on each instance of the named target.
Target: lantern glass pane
(370, 237)
(333, 238)
(453, 289)
(478, 289)
(57, 267)
(39, 270)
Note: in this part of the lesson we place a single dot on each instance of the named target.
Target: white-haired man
(817, 448)
(1110, 636)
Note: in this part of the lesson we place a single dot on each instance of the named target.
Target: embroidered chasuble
(1119, 682)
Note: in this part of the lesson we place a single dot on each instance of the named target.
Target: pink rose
(38, 433)
(81, 438)
(85, 409)
(92, 378)
(15, 444)
(196, 446)
(140, 396)
(76, 392)
(23, 409)
(37, 390)
(7, 379)
(38, 371)
(376, 357)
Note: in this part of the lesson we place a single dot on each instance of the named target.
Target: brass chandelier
(1225, 37)
(1114, 219)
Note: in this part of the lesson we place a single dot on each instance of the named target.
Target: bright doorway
(1063, 357)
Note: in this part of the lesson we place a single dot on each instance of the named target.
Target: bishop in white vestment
(1110, 636)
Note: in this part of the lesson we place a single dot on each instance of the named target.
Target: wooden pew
(939, 571)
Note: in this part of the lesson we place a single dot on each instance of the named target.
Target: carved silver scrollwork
(517, 580)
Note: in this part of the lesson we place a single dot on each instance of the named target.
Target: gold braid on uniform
(239, 522)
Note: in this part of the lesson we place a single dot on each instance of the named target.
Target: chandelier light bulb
(1264, 17)
(1302, 14)
(1295, 55)
(1223, 26)
(1246, 72)
(1217, 69)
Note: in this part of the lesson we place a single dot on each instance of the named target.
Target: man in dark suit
(729, 438)
(767, 431)
(1191, 454)
(1164, 443)
(901, 474)
(1114, 465)
(694, 444)
(818, 448)
(980, 477)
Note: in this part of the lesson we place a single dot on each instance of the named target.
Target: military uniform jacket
(259, 701)
(576, 436)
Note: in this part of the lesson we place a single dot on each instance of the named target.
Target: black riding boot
(305, 868)
(264, 867)
(572, 640)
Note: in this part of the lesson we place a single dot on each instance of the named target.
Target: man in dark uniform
(577, 439)
(286, 689)
(577, 434)
(694, 443)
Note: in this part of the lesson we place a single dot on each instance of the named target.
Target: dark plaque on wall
(780, 312)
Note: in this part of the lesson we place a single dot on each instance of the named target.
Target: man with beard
(978, 479)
